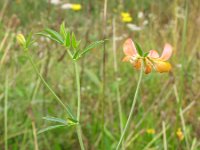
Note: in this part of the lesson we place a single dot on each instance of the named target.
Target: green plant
(68, 40)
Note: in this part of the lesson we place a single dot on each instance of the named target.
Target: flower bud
(21, 40)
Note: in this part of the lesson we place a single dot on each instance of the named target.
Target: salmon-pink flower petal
(129, 48)
(153, 54)
(167, 52)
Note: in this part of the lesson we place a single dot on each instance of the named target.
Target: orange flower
(152, 60)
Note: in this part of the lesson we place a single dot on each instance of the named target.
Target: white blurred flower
(140, 15)
(145, 22)
(55, 2)
(134, 27)
(66, 6)
(179, 65)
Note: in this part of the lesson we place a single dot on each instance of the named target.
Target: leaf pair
(68, 122)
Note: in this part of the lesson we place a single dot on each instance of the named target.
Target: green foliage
(50, 128)
(68, 122)
(69, 41)
(139, 49)
(54, 119)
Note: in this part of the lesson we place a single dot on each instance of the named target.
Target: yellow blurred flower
(150, 131)
(76, 7)
(125, 14)
(126, 17)
(179, 134)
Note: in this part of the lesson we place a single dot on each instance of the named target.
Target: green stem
(6, 114)
(78, 90)
(78, 128)
(131, 111)
(46, 84)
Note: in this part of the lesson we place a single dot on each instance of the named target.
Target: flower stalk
(66, 107)
(132, 108)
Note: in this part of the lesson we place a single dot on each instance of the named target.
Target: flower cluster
(126, 17)
(150, 60)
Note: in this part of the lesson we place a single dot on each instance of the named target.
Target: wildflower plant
(143, 61)
(68, 40)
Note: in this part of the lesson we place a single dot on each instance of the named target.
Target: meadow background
(166, 101)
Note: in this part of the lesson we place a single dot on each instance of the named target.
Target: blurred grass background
(162, 96)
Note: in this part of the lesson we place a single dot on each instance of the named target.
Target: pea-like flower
(151, 60)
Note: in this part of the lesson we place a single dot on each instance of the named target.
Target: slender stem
(181, 116)
(78, 128)
(46, 84)
(79, 133)
(132, 108)
(6, 114)
(103, 75)
(78, 90)
(116, 80)
(164, 135)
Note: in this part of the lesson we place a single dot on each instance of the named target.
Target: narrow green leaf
(146, 54)
(91, 46)
(55, 35)
(50, 128)
(48, 36)
(54, 119)
(78, 43)
(74, 43)
(139, 49)
(76, 55)
(29, 41)
(71, 121)
(63, 31)
(68, 39)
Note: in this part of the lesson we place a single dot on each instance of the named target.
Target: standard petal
(162, 66)
(129, 48)
(167, 52)
(153, 54)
